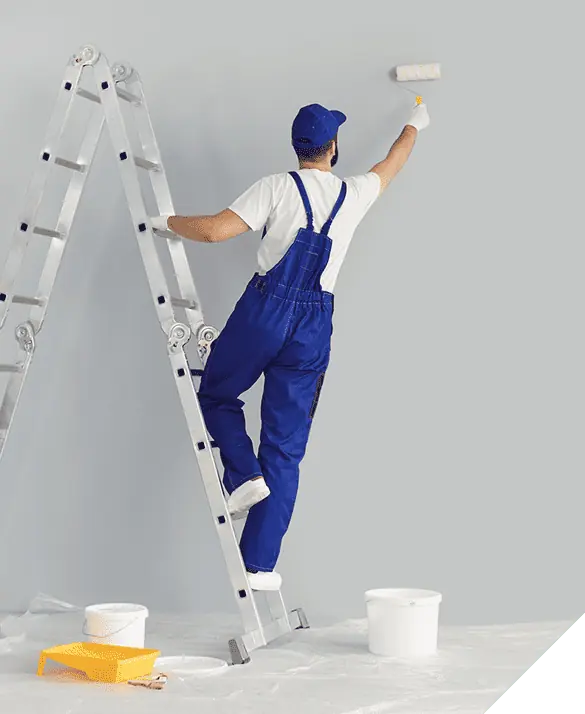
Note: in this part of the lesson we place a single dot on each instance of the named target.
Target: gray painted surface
(447, 452)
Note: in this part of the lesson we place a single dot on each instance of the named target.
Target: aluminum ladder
(113, 85)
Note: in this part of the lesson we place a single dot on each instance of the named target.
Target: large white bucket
(121, 624)
(402, 622)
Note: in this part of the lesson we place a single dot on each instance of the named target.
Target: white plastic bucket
(116, 623)
(403, 622)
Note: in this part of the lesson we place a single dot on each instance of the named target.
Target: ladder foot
(238, 652)
(303, 621)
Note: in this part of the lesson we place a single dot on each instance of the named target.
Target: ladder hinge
(179, 335)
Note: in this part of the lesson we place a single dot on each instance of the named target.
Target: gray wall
(447, 452)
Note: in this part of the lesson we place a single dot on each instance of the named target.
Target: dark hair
(314, 153)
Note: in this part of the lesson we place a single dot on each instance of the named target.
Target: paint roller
(417, 73)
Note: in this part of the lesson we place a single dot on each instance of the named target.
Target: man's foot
(247, 495)
(264, 581)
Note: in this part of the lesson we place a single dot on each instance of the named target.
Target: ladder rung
(146, 164)
(127, 96)
(169, 235)
(122, 93)
(24, 300)
(89, 95)
(10, 368)
(181, 302)
(70, 165)
(47, 232)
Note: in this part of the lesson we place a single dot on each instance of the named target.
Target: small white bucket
(121, 624)
(402, 622)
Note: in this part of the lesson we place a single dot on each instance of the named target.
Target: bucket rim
(179, 665)
(114, 611)
(405, 597)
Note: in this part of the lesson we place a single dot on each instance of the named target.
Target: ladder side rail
(116, 127)
(26, 331)
(12, 393)
(35, 191)
(178, 335)
(244, 596)
(161, 189)
(180, 262)
(65, 221)
(47, 279)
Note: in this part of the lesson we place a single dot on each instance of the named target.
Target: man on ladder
(281, 326)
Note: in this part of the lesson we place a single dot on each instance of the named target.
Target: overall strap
(305, 197)
(335, 211)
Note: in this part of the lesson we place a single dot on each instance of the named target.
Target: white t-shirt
(275, 202)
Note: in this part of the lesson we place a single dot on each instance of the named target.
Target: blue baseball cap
(314, 126)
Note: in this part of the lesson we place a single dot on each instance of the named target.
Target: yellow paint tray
(102, 663)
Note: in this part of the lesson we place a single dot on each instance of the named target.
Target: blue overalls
(281, 326)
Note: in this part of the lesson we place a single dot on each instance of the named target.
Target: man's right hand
(419, 118)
